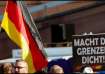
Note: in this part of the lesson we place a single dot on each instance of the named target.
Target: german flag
(18, 31)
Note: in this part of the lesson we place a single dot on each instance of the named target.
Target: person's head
(56, 69)
(87, 69)
(7, 68)
(21, 66)
(60, 62)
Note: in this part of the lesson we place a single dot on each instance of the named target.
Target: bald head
(56, 69)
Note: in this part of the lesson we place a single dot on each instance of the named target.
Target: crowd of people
(61, 66)
(19, 67)
(56, 66)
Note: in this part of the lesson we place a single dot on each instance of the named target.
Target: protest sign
(88, 49)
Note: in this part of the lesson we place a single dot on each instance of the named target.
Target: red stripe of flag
(37, 56)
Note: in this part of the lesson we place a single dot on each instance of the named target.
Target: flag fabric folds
(32, 26)
(18, 31)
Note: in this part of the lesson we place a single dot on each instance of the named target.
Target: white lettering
(93, 59)
(86, 42)
(79, 51)
(102, 41)
(76, 42)
(91, 50)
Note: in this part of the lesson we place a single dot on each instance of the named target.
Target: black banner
(88, 49)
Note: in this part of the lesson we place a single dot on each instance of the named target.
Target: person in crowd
(21, 67)
(56, 69)
(62, 63)
(7, 68)
(87, 70)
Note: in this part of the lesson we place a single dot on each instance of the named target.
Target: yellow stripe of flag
(19, 39)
